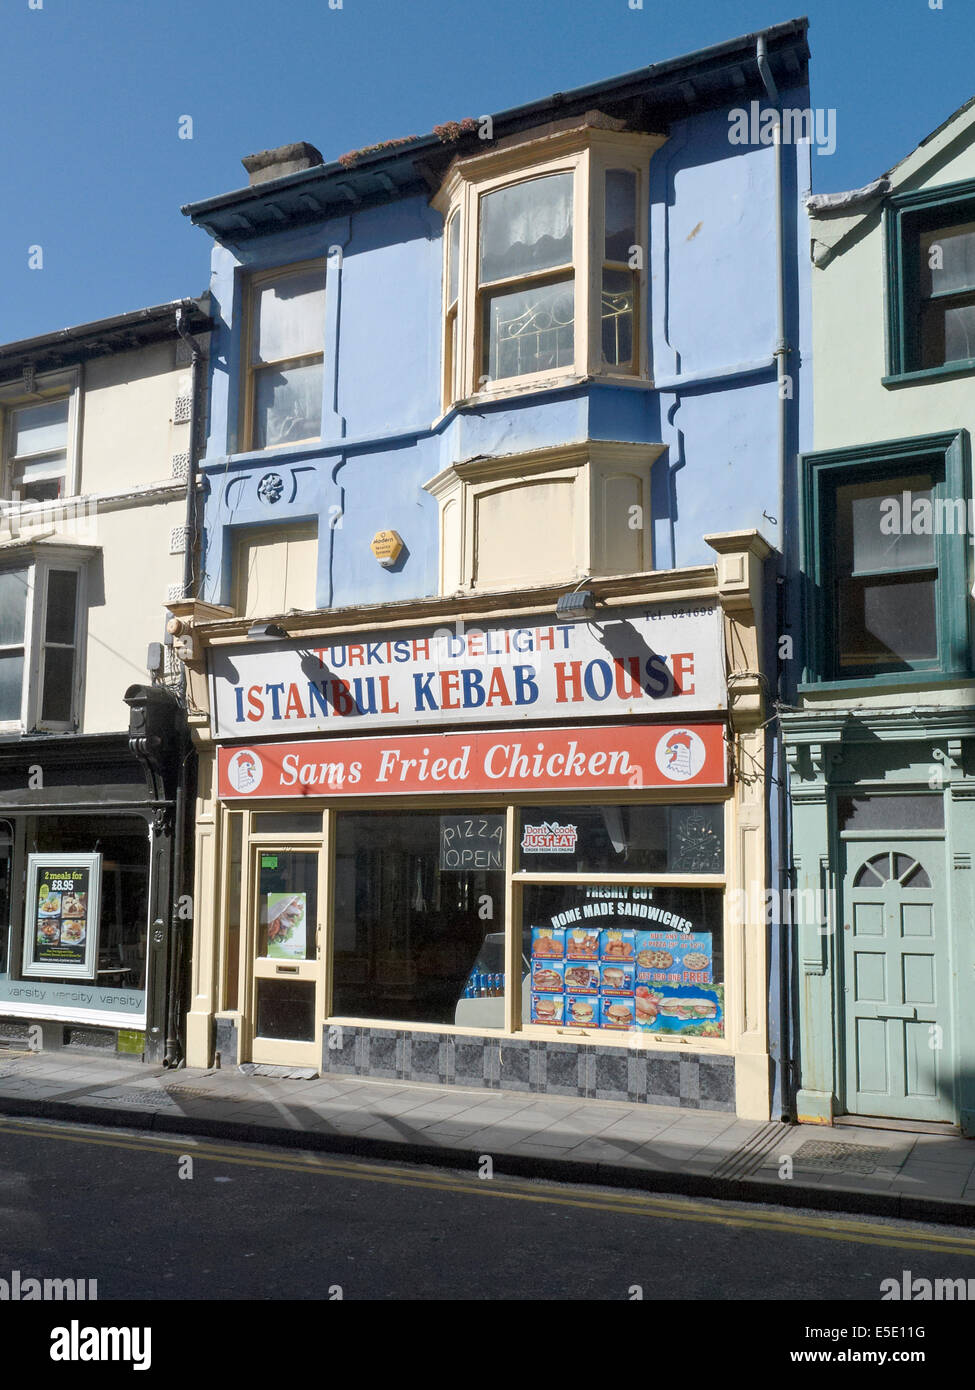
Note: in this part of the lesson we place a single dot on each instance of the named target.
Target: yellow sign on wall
(387, 546)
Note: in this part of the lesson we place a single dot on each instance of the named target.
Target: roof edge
(160, 319)
(374, 159)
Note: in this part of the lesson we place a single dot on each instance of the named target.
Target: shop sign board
(61, 923)
(664, 660)
(602, 758)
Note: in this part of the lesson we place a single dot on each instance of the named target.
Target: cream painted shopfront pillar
(741, 560)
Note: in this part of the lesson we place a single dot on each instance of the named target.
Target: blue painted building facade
(650, 286)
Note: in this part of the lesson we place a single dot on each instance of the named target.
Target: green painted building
(880, 743)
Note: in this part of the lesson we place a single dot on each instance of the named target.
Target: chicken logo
(245, 770)
(680, 754)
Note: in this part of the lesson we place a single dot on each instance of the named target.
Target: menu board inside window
(626, 958)
(62, 913)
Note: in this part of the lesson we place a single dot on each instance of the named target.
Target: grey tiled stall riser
(226, 1041)
(689, 1081)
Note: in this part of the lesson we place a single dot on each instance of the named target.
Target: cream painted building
(97, 509)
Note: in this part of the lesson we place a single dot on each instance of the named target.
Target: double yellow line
(818, 1226)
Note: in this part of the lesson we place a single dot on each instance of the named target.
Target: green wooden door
(896, 986)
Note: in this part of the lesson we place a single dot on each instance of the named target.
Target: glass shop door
(287, 994)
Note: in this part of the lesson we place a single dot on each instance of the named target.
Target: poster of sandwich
(61, 920)
(683, 1009)
(597, 963)
(287, 925)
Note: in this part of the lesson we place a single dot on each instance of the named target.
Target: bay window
(550, 514)
(452, 293)
(13, 634)
(526, 288)
(545, 250)
(620, 284)
(41, 640)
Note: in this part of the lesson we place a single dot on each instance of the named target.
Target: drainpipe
(178, 952)
(782, 348)
(178, 956)
(196, 356)
(783, 878)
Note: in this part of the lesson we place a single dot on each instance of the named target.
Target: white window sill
(538, 386)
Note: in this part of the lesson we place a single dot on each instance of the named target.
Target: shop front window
(419, 917)
(97, 929)
(686, 839)
(124, 905)
(626, 958)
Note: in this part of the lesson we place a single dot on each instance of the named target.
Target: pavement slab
(656, 1147)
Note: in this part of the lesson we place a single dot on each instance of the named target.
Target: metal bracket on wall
(950, 757)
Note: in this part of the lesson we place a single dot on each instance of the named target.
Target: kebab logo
(681, 754)
(549, 838)
(244, 771)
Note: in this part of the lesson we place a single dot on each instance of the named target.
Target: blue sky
(93, 92)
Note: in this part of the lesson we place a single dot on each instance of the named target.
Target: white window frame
(38, 566)
(586, 152)
(48, 386)
(254, 281)
(22, 563)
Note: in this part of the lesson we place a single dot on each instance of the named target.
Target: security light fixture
(265, 632)
(577, 607)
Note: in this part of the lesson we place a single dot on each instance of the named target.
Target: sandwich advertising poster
(61, 924)
(286, 915)
(621, 977)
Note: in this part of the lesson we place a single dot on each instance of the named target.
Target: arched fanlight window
(891, 865)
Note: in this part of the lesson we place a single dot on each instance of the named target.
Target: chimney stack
(286, 159)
